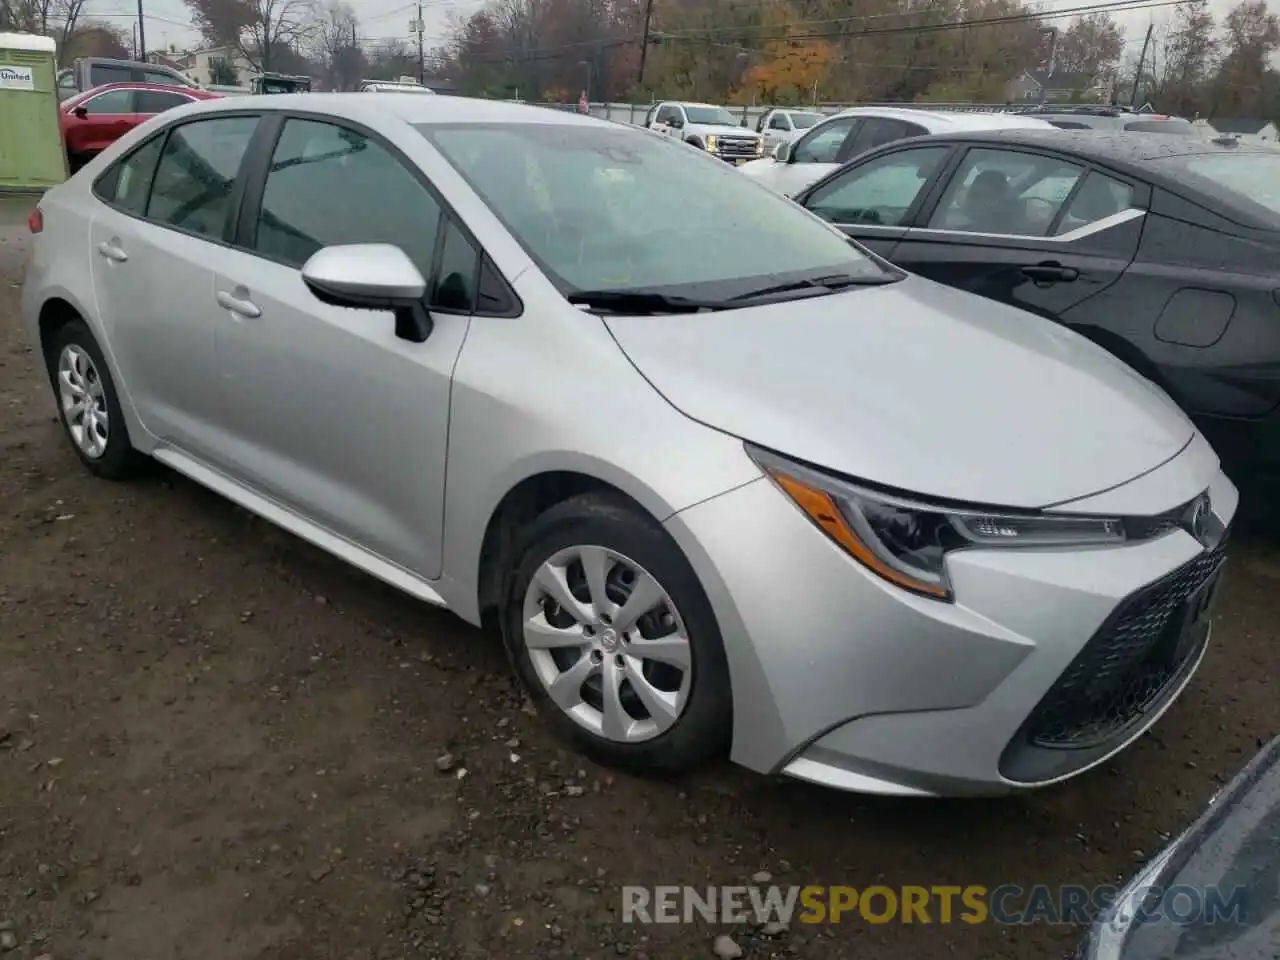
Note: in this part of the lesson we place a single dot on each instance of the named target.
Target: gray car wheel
(612, 635)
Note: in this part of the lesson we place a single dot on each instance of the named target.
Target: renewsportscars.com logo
(1008, 904)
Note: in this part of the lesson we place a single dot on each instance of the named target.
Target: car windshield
(1174, 125)
(605, 208)
(803, 121)
(711, 115)
(1243, 180)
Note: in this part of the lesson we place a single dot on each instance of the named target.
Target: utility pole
(644, 40)
(142, 36)
(1142, 59)
(420, 25)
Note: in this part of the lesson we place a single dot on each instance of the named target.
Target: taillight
(35, 220)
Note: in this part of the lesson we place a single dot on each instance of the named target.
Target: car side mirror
(782, 152)
(371, 276)
(81, 112)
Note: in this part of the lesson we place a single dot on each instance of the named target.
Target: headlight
(906, 541)
(712, 143)
(759, 148)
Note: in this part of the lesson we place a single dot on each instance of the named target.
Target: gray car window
(133, 182)
(111, 102)
(822, 144)
(330, 185)
(197, 173)
(1099, 197)
(878, 192)
(158, 101)
(100, 73)
(1005, 192)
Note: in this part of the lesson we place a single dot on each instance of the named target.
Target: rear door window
(874, 132)
(1005, 192)
(196, 176)
(158, 101)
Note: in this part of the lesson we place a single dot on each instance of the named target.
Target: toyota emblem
(1197, 518)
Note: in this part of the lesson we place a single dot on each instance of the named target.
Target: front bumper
(845, 680)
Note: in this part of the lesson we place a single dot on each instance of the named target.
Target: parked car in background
(782, 125)
(93, 120)
(989, 580)
(1162, 250)
(707, 127)
(1211, 893)
(394, 86)
(1113, 119)
(86, 73)
(825, 146)
(276, 83)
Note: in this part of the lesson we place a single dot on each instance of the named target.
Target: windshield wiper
(826, 284)
(641, 301)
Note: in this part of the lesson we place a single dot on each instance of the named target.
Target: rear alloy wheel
(88, 405)
(612, 635)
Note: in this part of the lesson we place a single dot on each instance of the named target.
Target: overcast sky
(168, 21)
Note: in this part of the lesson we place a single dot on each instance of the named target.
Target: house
(1245, 129)
(224, 65)
(171, 60)
(1038, 86)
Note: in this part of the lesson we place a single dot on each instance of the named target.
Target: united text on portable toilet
(31, 152)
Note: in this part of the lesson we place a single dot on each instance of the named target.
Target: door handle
(246, 308)
(112, 252)
(1050, 273)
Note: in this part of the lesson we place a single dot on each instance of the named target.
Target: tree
(264, 32)
(93, 39)
(1091, 46)
(1189, 52)
(50, 18)
(222, 72)
(1251, 35)
(335, 48)
(790, 71)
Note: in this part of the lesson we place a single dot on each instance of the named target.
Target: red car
(96, 118)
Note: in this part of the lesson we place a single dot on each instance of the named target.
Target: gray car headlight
(905, 540)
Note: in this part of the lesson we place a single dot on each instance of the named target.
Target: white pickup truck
(785, 125)
(706, 127)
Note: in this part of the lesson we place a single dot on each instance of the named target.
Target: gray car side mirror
(782, 152)
(371, 276)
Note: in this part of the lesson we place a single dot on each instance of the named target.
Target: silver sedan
(723, 480)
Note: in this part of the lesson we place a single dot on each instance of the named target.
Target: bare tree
(336, 49)
(50, 18)
(263, 31)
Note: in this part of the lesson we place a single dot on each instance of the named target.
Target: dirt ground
(218, 744)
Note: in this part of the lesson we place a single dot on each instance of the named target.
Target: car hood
(1230, 857)
(916, 386)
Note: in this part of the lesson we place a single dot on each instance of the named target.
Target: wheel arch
(524, 501)
(57, 310)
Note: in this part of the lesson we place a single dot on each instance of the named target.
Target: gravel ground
(218, 744)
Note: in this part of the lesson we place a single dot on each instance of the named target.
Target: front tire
(612, 635)
(88, 404)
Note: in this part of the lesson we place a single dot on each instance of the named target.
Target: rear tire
(88, 404)
(643, 688)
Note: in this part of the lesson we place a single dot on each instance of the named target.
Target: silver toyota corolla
(723, 480)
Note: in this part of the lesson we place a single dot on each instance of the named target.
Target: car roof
(386, 105)
(1121, 150)
(194, 92)
(940, 121)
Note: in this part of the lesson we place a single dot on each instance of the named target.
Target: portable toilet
(31, 152)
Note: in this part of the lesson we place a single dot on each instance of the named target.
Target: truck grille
(1128, 665)
(732, 149)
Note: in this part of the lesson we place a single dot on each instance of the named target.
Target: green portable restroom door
(31, 151)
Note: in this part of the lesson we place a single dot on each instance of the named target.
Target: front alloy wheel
(612, 635)
(607, 644)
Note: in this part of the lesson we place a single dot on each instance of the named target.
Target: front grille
(1128, 665)
(736, 148)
